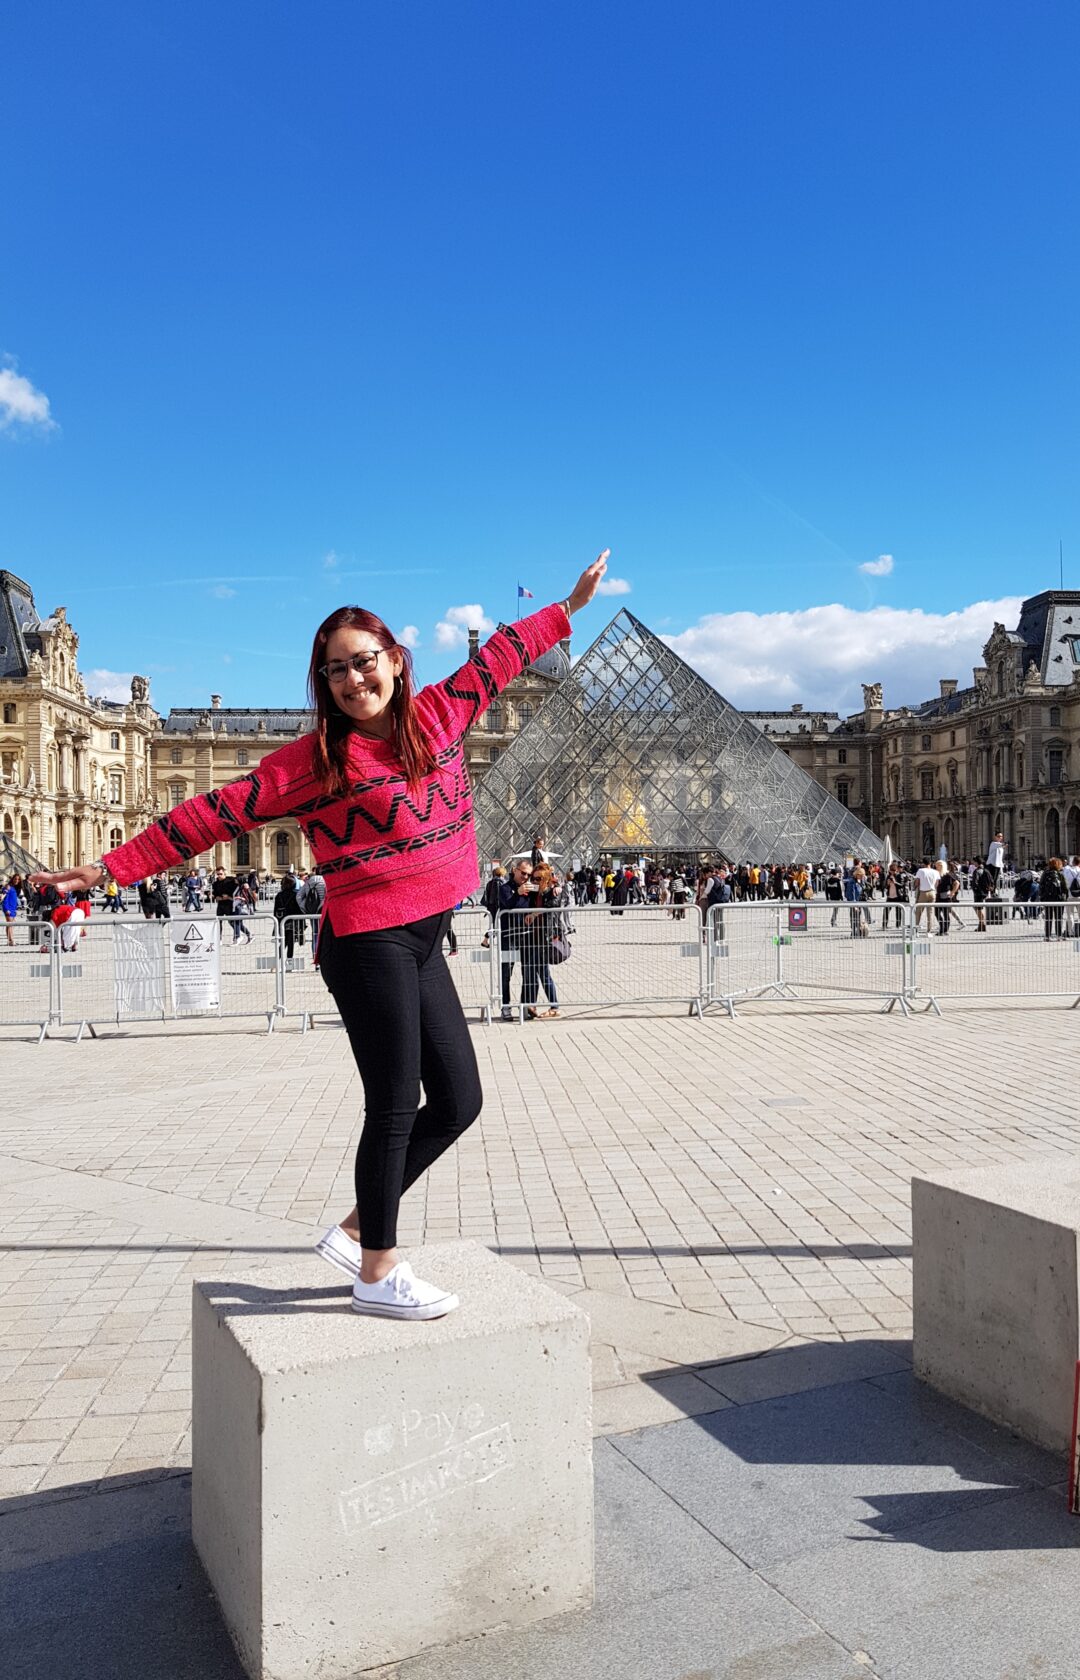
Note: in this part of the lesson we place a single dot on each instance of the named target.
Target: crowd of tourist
(539, 938)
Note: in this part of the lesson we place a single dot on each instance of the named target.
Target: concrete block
(995, 1292)
(365, 1489)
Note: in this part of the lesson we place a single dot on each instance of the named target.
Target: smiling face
(363, 696)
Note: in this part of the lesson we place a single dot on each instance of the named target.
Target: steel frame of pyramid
(15, 859)
(636, 752)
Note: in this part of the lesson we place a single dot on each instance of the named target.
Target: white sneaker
(339, 1248)
(402, 1295)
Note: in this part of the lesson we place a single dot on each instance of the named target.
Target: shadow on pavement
(101, 1580)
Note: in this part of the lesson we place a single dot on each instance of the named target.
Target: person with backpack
(1053, 894)
(982, 888)
(287, 914)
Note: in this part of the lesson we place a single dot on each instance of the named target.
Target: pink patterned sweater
(387, 856)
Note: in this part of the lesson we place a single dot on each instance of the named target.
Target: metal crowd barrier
(640, 954)
(27, 977)
(471, 963)
(817, 948)
(126, 969)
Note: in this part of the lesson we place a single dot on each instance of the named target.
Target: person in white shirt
(1071, 873)
(926, 882)
(995, 857)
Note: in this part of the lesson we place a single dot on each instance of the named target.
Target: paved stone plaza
(729, 1202)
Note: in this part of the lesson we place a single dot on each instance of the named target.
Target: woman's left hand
(588, 583)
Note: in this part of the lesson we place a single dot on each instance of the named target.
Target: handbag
(560, 949)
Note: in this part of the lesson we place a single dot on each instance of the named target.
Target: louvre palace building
(626, 750)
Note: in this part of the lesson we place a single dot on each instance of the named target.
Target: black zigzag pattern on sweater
(518, 645)
(395, 848)
(385, 825)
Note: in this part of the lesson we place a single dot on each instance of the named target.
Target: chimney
(474, 642)
(948, 687)
(797, 708)
(215, 702)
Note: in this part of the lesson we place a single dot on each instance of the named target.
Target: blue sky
(402, 303)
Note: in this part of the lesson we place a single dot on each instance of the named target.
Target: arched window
(1072, 831)
(282, 848)
(116, 838)
(495, 717)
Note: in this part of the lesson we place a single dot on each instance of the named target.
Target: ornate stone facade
(196, 751)
(75, 771)
(80, 774)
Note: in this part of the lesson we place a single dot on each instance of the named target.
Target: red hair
(332, 726)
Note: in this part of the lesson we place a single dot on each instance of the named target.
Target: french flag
(524, 594)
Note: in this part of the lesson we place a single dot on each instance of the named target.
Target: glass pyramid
(635, 752)
(15, 859)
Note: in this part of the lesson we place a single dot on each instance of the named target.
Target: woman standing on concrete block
(381, 790)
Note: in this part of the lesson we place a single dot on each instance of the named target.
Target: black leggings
(405, 1025)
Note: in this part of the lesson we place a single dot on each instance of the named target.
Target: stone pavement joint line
(710, 1192)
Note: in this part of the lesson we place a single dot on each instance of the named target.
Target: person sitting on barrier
(381, 788)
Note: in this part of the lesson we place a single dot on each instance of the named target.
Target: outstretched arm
(453, 706)
(280, 786)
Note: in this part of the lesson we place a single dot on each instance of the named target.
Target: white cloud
(409, 636)
(222, 592)
(452, 631)
(881, 567)
(21, 404)
(108, 685)
(331, 559)
(613, 586)
(821, 655)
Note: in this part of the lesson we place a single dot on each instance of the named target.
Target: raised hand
(588, 583)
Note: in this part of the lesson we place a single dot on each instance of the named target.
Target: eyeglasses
(338, 669)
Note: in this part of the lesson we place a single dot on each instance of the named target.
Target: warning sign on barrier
(196, 969)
